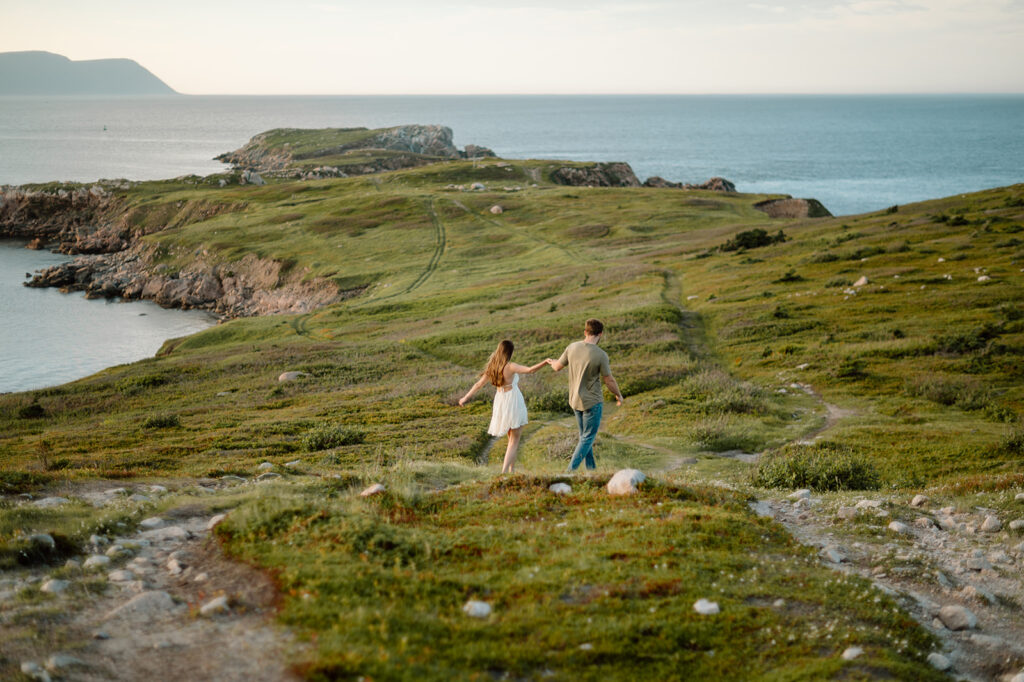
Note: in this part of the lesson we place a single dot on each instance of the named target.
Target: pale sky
(540, 46)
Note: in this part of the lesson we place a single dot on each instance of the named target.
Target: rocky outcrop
(250, 286)
(78, 218)
(713, 185)
(417, 145)
(599, 175)
(789, 207)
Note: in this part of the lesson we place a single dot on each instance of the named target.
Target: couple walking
(588, 367)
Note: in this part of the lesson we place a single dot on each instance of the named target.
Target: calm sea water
(48, 338)
(853, 153)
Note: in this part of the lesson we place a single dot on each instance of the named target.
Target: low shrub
(161, 421)
(958, 343)
(720, 435)
(752, 239)
(557, 400)
(31, 411)
(850, 368)
(967, 393)
(1013, 442)
(821, 466)
(327, 436)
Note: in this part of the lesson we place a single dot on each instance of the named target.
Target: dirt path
(141, 615)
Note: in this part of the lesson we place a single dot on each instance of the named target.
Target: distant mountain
(45, 73)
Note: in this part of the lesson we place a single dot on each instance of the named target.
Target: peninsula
(827, 411)
(46, 73)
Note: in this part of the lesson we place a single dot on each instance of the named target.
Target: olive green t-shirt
(587, 364)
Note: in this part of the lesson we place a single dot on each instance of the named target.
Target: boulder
(121, 576)
(918, 501)
(924, 522)
(477, 609)
(614, 174)
(625, 482)
(43, 541)
(847, 513)
(144, 606)
(55, 586)
(801, 494)
(265, 466)
(560, 488)
(496, 210)
(956, 617)
(991, 524)
(96, 561)
(863, 281)
(899, 527)
(851, 653)
(151, 522)
(291, 376)
(833, 554)
(705, 607)
(375, 489)
(938, 661)
(50, 502)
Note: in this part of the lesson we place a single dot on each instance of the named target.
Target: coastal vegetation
(895, 337)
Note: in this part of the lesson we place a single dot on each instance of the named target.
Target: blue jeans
(588, 422)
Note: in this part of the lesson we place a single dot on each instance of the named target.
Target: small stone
(1017, 525)
(868, 504)
(291, 376)
(265, 466)
(268, 476)
(58, 662)
(214, 606)
(625, 482)
(201, 578)
(802, 494)
(98, 540)
(976, 563)
(705, 607)
(991, 524)
(49, 502)
(918, 501)
(35, 671)
(143, 606)
(899, 527)
(175, 567)
(1019, 497)
(851, 653)
(560, 488)
(55, 586)
(942, 580)
(476, 609)
(984, 278)
(1000, 557)
(779, 603)
(100, 634)
(117, 551)
(44, 540)
(957, 617)
(166, 534)
(375, 489)
(96, 561)
(924, 522)
(157, 489)
(1019, 677)
(293, 463)
(863, 281)
(121, 576)
(497, 210)
(586, 646)
(847, 513)
(151, 522)
(72, 564)
(214, 520)
(938, 661)
(138, 498)
(232, 480)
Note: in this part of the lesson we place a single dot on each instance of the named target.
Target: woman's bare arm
(523, 369)
(476, 387)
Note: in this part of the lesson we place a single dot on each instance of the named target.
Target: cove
(49, 338)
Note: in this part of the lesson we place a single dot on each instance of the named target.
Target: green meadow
(725, 338)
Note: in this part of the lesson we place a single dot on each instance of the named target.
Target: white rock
(116, 551)
(96, 561)
(779, 603)
(293, 463)
(98, 540)
(35, 671)
(899, 527)
(946, 523)
(705, 607)
(121, 576)
(201, 578)
(214, 520)
(175, 567)
(1019, 677)
(957, 617)
(868, 504)
(55, 586)
(1017, 525)
(984, 278)
(151, 522)
(1019, 497)
(478, 186)
(924, 522)
(477, 609)
(626, 482)
(144, 606)
(265, 466)
(851, 653)
(290, 376)
(918, 501)
(560, 488)
(938, 661)
(497, 210)
(833, 554)
(214, 606)
(267, 476)
(59, 662)
(802, 494)
(991, 524)
(375, 489)
(846, 512)
(48, 502)
(863, 281)
(157, 489)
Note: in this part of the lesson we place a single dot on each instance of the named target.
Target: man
(588, 367)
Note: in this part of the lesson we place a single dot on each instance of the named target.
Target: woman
(509, 415)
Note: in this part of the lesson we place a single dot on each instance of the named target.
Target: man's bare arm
(609, 381)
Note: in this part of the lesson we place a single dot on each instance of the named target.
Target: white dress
(509, 409)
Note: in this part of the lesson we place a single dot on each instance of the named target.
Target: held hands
(619, 400)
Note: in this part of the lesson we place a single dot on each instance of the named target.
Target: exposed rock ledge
(620, 174)
(793, 208)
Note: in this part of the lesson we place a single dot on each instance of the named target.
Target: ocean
(853, 153)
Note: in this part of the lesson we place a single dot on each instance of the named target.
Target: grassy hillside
(717, 351)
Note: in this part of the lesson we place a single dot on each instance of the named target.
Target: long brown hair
(496, 363)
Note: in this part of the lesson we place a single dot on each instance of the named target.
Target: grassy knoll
(718, 351)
